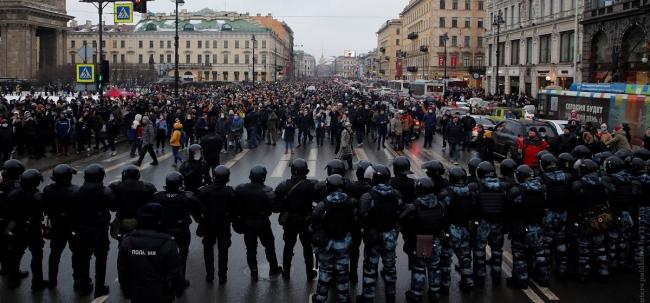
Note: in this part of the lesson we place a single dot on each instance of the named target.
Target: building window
(72, 44)
(207, 44)
(247, 59)
(529, 50)
(150, 43)
(442, 4)
(236, 43)
(187, 44)
(263, 43)
(169, 44)
(480, 5)
(468, 5)
(454, 41)
(103, 43)
(454, 4)
(214, 44)
(122, 58)
(236, 76)
(502, 53)
(140, 44)
(140, 59)
(566, 46)
(466, 42)
(514, 52)
(542, 8)
(199, 44)
(454, 22)
(545, 49)
(169, 58)
(490, 55)
(114, 43)
(441, 41)
(187, 59)
(207, 59)
(442, 22)
(199, 59)
(162, 59)
(114, 59)
(466, 60)
(530, 10)
(236, 58)
(225, 43)
(479, 60)
(255, 44)
(225, 59)
(397, 31)
(225, 76)
(397, 42)
(247, 44)
(122, 44)
(467, 22)
(480, 23)
(214, 59)
(519, 14)
(479, 42)
(505, 16)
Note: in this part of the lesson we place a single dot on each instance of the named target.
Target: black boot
(101, 290)
(274, 271)
(311, 274)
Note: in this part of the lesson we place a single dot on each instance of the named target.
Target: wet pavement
(622, 288)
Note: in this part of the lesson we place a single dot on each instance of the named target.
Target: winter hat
(618, 128)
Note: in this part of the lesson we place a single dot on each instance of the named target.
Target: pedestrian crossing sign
(85, 73)
(123, 12)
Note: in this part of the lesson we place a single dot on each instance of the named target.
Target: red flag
(441, 60)
(398, 69)
(454, 60)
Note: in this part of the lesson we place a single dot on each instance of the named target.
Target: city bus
(422, 88)
(399, 86)
(610, 103)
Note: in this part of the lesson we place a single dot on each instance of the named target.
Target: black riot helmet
(194, 149)
(94, 173)
(485, 169)
(335, 166)
(299, 167)
(600, 158)
(361, 169)
(221, 174)
(402, 166)
(334, 183)
(131, 172)
(523, 173)
(381, 174)
(581, 152)
(565, 161)
(587, 166)
(613, 164)
(62, 174)
(424, 186)
(257, 174)
(457, 175)
(508, 167)
(642, 153)
(30, 179)
(548, 162)
(433, 168)
(150, 216)
(624, 154)
(638, 165)
(472, 165)
(12, 169)
(174, 182)
(541, 153)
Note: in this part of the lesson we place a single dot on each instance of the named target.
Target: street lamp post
(498, 21)
(253, 74)
(176, 78)
(445, 37)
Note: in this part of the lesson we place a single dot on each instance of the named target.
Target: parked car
(505, 135)
(449, 110)
(558, 124)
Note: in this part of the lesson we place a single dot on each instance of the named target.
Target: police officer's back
(131, 194)
(401, 182)
(333, 167)
(148, 263)
(11, 171)
(195, 170)
(436, 171)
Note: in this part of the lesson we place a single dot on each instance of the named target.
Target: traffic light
(103, 76)
(140, 6)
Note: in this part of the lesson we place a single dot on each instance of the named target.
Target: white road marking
(311, 164)
(361, 154)
(279, 169)
(438, 157)
(389, 156)
(417, 163)
(101, 299)
(545, 290)
(236, 159)
(313, 154)
(117, 157)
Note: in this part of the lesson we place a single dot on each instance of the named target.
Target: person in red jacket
(529, 147)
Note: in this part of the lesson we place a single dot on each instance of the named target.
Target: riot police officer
(565, 162)
(253, 211)
(130, 195)
(179, 207)
(580, 153)
(527, 201)
(24, 216)
(333, 167)
(218, 201)
(294, 197)
(195, 171)
(333, 221)
(379, 211)
(356, 190)
(625, 206)
(426, 224)
(90, 219)
(641, 172)
(593, 217)
(507, 170)
(472, 165)
(491, 204)
(558, 191)
(11, 171)
(57, 203)
(401, 182)
(148, 264)
(436, 171)
(461, 201)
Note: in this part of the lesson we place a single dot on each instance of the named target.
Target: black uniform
(253, 210)
(196, 174)
(130, 195)
(6, 187)
(294, 198)
(212, 145)
(356, 190)
(57, 203)
(24, 217)
(218, 201)
(90, 220)
(149, 267)
(178, 206)
(406, 187)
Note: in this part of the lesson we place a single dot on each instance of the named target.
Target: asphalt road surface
(623, 287)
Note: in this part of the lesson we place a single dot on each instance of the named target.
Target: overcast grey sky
(328, 25)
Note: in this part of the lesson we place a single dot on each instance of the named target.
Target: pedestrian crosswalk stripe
(236, 159)
(361, 154)
(438, 157)
(416, 163)
(389, 156)
(279, 169)
(311, 164)
(313, 154)
(507, 256)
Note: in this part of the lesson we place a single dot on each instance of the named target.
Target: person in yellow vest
(175, 142)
